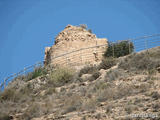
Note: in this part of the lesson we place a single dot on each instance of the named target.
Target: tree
(119, 49)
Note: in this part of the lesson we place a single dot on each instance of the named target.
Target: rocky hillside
(116, 89)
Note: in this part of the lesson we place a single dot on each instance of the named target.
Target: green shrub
(60, 76)
(38, 71)
(107, 63)
(119, 49)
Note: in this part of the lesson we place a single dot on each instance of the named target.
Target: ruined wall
(74, 46)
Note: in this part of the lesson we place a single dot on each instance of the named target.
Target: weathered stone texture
(66, 51)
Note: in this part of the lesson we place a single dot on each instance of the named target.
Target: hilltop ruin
(75, 46)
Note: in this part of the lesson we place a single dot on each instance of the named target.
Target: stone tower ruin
(75, 46)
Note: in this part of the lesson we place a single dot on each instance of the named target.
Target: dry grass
(72, 103)
(105, 93)
(89, 104)
(10, 95)
(141, 61)
(5, 117)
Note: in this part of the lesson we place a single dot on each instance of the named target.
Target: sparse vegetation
(38, 71)
(107, 63)
(107, 90)
(114, 74)
(101, 85)
(140, 62)
(89, 104)
(118, 92)
(72, 103)
(10, 95)
(34, 110)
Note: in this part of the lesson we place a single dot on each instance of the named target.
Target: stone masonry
(75, 46)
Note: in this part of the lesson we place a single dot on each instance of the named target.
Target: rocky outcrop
(74, 46)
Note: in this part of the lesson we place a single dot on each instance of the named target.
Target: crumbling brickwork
(74, 46)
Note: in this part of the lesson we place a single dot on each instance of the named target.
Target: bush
(107, 63)
(119, 49)
(87, 70)
(60, 76)
(94, 76)
(38, 72)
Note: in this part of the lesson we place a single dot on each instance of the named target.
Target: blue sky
(28, 26)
